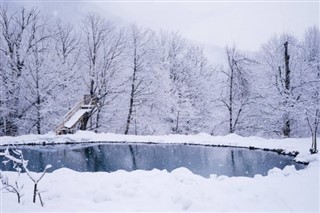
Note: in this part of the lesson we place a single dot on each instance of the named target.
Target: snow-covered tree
(18, 39)
(110, 73)
(140, 55)
(236, 93)
(310, 98)
(281, 61)
(37, 80)
(172, 49)
(95, 29)
(184, 70)
(66, 42)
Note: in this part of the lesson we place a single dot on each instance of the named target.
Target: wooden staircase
(74, 116)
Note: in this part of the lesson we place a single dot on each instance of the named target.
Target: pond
(109, 157)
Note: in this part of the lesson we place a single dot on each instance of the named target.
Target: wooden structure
(74, 116)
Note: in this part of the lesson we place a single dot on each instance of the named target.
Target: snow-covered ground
(180, 190)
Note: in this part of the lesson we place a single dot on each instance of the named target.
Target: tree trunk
(130, 110)
(314, 149)
(38, 112)
(287, 68)
(92, 87)
(287, 125)
(177, 123)
(231, 129)
(19, 197)
(313, 129)
(84, 121)
(35, 190)
(98, 118)
(38, 122)
(132, 93)
(287, 128)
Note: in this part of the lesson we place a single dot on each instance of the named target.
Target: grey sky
(248, 24)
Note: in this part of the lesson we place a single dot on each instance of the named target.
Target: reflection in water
(134, 162)
(109, 157)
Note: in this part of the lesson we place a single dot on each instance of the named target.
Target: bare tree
(12, 188)
(19, 161)
(237, 96)
(104, 47)
(108, 90)
(138, 42)
(95, 29)
(67, 44)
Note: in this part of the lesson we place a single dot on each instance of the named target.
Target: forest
(153, 82)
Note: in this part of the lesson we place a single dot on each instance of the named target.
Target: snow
(68, 191)
(75, 118)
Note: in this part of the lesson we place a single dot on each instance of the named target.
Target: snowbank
(69, 191)
(300, 145)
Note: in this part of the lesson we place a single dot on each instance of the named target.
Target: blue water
(109, 157)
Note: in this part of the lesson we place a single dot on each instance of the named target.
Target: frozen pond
(109, 157)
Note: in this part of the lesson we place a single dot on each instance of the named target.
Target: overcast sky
(248, 24)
